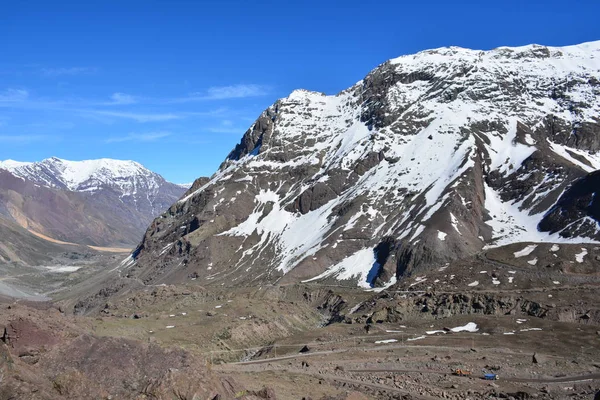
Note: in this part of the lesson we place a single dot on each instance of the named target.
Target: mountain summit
(124, 177)
(101, 202)
(430, 158)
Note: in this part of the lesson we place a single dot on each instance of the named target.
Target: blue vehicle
(490, 377)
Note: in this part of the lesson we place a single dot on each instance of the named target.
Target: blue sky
(174, 84)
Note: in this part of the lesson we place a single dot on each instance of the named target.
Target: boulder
(538, 358)
(304, 349)
(380, 316)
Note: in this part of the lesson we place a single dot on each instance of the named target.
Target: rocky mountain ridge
(431, 158)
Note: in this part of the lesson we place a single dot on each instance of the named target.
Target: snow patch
(579, 256)
(355, 308)
(505, 152)
(565, 152)
(62, 269)
(356, 266)
(532, 262)
(434, 332)
(526, 251)
(418, 279)
(470, 327)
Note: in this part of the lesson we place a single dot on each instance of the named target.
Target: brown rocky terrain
(44, 355)
(537, 328)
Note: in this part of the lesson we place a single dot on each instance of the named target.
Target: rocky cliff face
(430, 158)
(97, 202)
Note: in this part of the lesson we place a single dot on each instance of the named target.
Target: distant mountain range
(101, 202)
(431, 158)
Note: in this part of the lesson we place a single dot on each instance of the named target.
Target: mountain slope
(96, 202)
(20, 246)
(430, 158)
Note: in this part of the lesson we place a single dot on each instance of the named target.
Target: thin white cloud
(210, 113)
(54, 125)
(122, 99)
(223, 93)
(139, 137)
(22, 139)
(236, 91)
(227, 126)
(139, 117)
(67, 71)
(13, 95)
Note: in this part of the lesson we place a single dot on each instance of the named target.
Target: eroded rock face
(428, 159)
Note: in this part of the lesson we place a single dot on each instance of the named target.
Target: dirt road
(562, 379)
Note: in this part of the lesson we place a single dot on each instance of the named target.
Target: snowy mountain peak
(301, 94)
(584, 50)
(100, 202)
(87, 175)
(12, 164)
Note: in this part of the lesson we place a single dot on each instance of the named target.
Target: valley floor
(312, 340)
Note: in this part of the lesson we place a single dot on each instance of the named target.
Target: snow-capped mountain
(432, 157)
(126, 177)
(124, 195)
